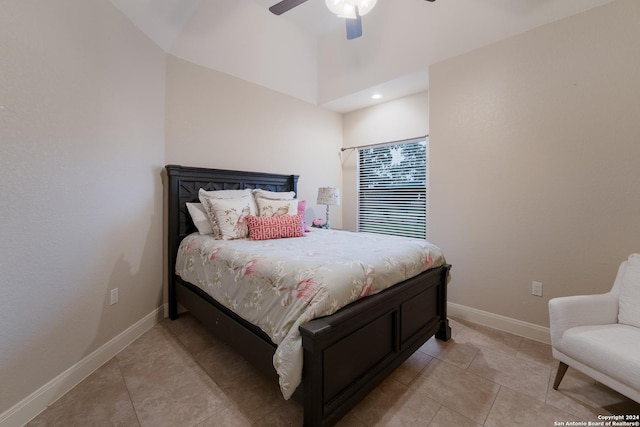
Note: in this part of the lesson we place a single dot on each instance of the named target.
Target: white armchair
(599, 335)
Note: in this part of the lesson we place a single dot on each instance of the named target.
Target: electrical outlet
(114, 296)
(536, 289)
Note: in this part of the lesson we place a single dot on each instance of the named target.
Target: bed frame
(347, 354)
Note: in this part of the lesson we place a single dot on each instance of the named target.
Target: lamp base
(326, 224)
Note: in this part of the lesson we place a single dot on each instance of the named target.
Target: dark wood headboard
(183, 183)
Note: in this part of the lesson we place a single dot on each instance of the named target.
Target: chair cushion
(629, 304)
(613, 350)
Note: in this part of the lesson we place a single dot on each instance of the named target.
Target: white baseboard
(502, 323)
(29, 407)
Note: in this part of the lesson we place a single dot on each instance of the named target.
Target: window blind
(392, 188)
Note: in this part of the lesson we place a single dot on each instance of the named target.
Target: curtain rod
(403, 141)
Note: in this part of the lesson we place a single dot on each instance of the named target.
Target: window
(392, 188)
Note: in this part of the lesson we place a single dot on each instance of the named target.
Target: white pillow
(629, 305)
(274, 195)
(270, 207)
(225, 194)
(199, 218)
(229, 216)
(229, 194)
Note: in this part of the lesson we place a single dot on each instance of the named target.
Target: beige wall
(395, 120)
(534, 146)
(81, 131)
(216, 120)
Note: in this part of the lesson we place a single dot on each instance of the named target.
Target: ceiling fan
(352, 10)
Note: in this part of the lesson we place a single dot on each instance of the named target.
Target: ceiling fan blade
(354, 27)
(285, 5)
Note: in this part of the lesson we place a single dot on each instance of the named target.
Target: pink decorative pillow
(273, 227)
(303, 220)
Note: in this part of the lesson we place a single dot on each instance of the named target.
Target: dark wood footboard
(346, 354)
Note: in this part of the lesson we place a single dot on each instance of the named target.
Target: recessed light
(376, 96)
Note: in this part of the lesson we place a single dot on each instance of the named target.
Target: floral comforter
(280, 284)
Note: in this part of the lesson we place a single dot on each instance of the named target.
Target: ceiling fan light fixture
(347, 8)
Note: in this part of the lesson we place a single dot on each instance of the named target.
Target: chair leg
(562, 369)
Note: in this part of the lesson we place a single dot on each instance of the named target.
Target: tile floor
(177, 374)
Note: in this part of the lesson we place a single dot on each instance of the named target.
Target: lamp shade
(347, 8)
(328, 196)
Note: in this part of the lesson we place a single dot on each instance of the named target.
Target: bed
(345, 354)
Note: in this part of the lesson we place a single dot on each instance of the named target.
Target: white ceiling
(313, 16)
(304, 52)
